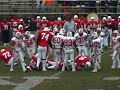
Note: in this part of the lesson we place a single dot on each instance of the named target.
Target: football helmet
(38, 17)
(18, 35)
(44, 18)
(115, 31)
(102, 34)
(27, 34)
(109, 17)
(69, 34)
(104, 18)
(21, 20)
(119, 24)
(20, 27)
(80, 31)
(2, 50)
(87, 64)
(62, 31)
(59, 19)
(95, 35)
(46, 29)
(118, 38)
(75, 16)
(92, 18)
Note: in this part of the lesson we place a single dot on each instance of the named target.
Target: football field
(106, 79)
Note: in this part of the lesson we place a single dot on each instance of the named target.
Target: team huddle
(88, 42)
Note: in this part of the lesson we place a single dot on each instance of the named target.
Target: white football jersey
(97, 43)
(80, 40)
(29, 42)
(57, 41)
(68, 42)
(18, 43)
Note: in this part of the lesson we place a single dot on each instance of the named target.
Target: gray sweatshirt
(70, 26)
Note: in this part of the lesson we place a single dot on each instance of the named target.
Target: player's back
(57, 41)
(45, 37)
(6, 55)
(68, 42)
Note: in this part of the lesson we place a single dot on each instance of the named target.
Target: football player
(116, 52)
(82, 62)
(96, 52)
(57, 46)
(14, 24)
(81, 39)
(68, 48)
(7, 57)
(43, 41)
(18, 47)
(29, 40)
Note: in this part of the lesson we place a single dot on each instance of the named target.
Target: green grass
(79, 80)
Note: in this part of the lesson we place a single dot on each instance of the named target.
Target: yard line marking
(57, 74)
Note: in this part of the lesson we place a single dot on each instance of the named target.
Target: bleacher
(24, 7)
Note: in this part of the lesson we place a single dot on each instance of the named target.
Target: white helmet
(21, 20)
(27, 34)
(44, 18)
(115, 31)
(118, 38)
(38, 17)
(118, 17)
(69, 34)
(98, 40)
(18, 35)
(98, 29)
(92, 18)
(46, 29)
(55, 29)
(119, 24)
(95, 34)
(59, 19)
(75, 16)
(2, 50)
(104, 18)
(102, 34)
(20, 27)
(62, 31)
(109, 17)
(87, 64)
(81, 30)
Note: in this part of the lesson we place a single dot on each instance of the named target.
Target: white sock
(73, 65)
(23, 66)
(38, 62)
(44, 64)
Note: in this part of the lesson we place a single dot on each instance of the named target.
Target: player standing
(81, 39)
(96, 52)
(29, 40)
(57, 46)
(18, 47)
(43, 41)
(68, 48)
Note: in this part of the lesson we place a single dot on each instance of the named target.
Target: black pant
(5, 36)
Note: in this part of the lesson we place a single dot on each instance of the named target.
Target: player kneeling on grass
(17, 44)
(7, 57)
(68, 48)
(83, 62)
